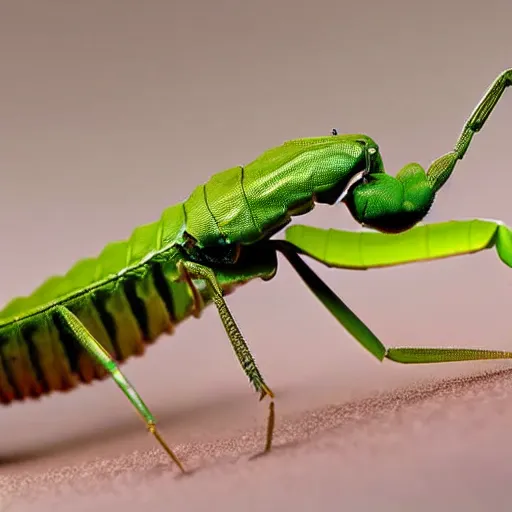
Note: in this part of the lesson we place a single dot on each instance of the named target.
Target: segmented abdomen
(39, 355)
(126, 297)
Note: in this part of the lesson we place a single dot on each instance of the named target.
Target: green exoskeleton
(80, 326)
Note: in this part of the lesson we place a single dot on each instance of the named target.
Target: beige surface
(437, 447)
(111, 111)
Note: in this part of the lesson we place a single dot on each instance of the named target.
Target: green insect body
(80, 326)
(132, 292)
(244, 205)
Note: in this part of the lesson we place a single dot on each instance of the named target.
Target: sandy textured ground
(112, 110)
(438, 446)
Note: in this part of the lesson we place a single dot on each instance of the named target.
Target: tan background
(111, 111)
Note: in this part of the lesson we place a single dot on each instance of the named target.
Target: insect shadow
(332, 417)
(185, 414)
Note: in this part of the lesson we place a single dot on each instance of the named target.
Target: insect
(81, 326)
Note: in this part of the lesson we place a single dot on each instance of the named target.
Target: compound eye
(369, 154)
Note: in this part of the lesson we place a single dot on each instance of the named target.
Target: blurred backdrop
(110, 111)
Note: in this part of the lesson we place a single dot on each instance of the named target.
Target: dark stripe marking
(27, 331)
(8, 369)
(136, 304)
(162, 287)
(98, 300)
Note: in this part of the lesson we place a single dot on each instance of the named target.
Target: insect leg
(191, 270)
(93, 347)
(441, 169)
(365, 336)
(352, 323)
(417, 355)
(371, 249)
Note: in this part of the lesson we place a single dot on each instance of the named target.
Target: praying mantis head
(387, 203)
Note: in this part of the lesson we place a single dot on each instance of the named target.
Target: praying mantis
(81, 326)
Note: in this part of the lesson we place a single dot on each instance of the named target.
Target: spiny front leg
(190, 270)
(394, 204)
(441, 169)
